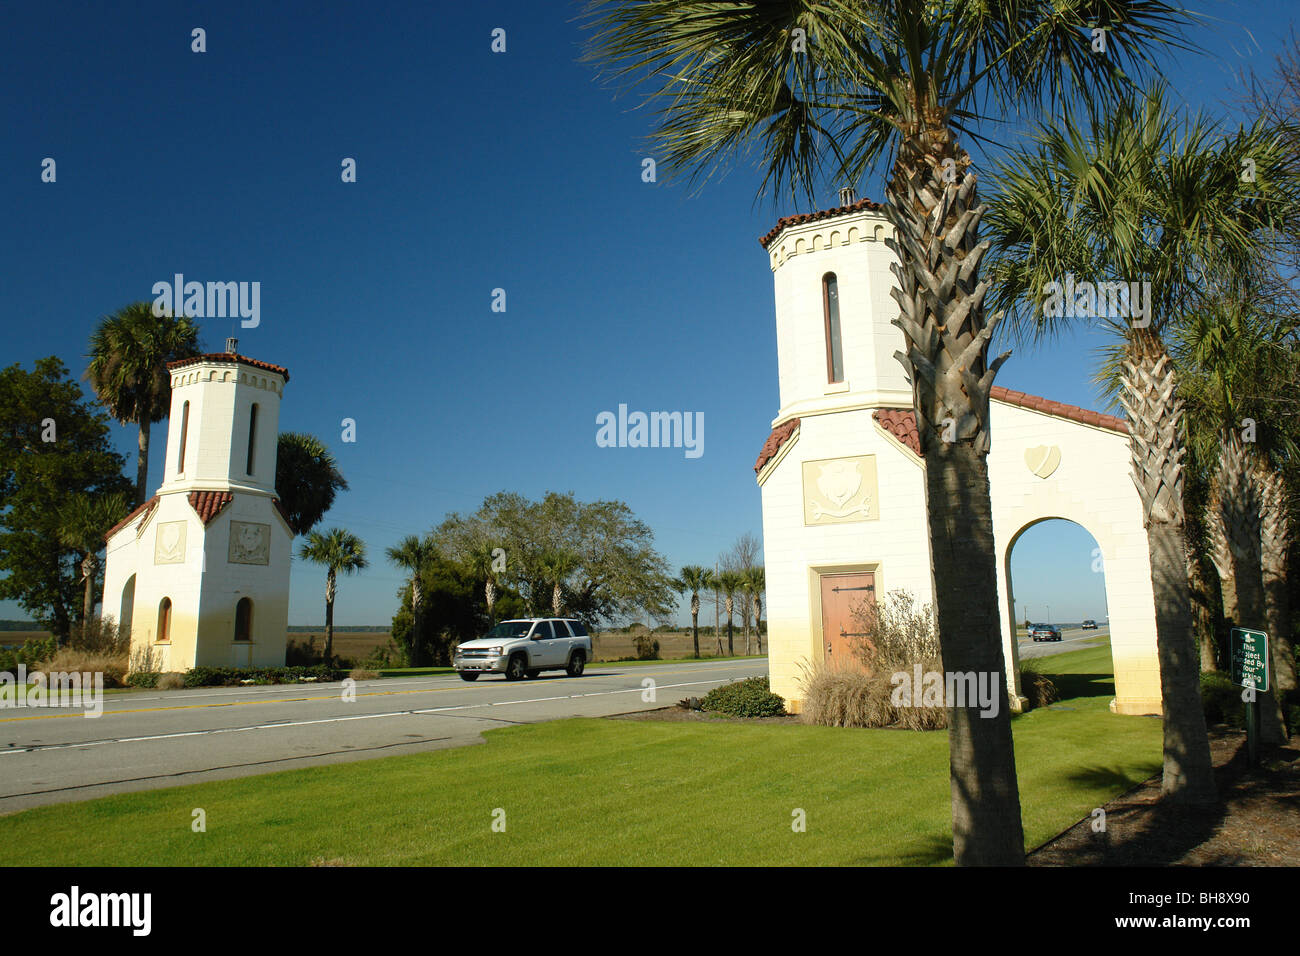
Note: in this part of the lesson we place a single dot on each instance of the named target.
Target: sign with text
(1250, 658)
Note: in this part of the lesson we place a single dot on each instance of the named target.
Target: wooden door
(842, 594)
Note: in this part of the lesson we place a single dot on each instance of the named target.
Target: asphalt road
(1072, 639)
(154, 739)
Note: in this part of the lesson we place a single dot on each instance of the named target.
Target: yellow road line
(287, 700)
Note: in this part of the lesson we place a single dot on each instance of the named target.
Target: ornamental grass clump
(867, 690)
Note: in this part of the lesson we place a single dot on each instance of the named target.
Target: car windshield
(508, 629)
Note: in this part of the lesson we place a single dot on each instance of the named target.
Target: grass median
(605, 792)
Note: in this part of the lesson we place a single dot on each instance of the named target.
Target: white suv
(525, 648)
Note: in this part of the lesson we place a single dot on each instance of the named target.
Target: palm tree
(306, 479)
(730, 582)
(83, 522)
(338, 550)
(755, 583)
(129, 352)
(897, 82)
(1138, 196)
(414, 554)
(694, 579)
(482, 559)
(1277, 533)
(556, 567)
(1239, 362)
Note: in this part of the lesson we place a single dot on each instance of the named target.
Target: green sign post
(1250, 669)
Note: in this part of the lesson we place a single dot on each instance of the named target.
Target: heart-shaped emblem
(1042, 460)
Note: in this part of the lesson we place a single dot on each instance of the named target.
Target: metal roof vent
(846, 196)
(232, 346)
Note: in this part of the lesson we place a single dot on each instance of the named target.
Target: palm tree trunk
(695, 622)
(1154, 411)
(731, 607)
(142, 463)
(329, 616)
(936, 218)
(987, 828)
(490, 596)
(1240, 507)
(1202, 609)
(1221, 557)
(88, 601)
(1275, 541)
(417, 632)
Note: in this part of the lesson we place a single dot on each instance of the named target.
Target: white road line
(335, 720)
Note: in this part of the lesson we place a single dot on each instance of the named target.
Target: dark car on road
(1044, 632)
(1088, 625)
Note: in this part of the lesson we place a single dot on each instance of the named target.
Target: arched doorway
(1122, 597)
(1056, 575)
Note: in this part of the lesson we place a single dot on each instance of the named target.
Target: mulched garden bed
(1258, 823)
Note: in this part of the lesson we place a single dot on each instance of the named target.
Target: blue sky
(476, 171)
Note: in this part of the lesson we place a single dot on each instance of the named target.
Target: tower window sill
(835, 388)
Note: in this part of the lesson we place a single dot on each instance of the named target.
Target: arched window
(185, 431)
(127, 611)
(165, 620)
(831, 309)
(244, 620)
(252, 437)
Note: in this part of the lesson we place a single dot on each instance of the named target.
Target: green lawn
(618, 792)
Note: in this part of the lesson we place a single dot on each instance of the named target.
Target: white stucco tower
(843, 478)
(199, 573)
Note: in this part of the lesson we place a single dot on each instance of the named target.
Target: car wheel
(534, 671)
(464, 675)
(576, 664)
(517, 668)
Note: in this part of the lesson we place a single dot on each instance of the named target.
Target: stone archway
(1015, 601)
(1125, 562)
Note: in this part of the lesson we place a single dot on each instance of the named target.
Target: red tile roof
(901, 423)
(230, 357)
(209, 504)
(144, 509)
(780, 434)
(782, 224)
(1060, 409)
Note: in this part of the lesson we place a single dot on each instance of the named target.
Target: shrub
(751, 697)
(98, 636)
(862, 693)
(233, 677)
(847, 696)
(390, 655)
(171, 680)
(112, 665)
(29, 654)
(359, 673)
(1221, 699)
(645, 647)
(303, 653)
(142, 679)
(1037, 686)
(144, 659)
(900, 631)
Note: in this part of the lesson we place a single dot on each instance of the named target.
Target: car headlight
(495, 651)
